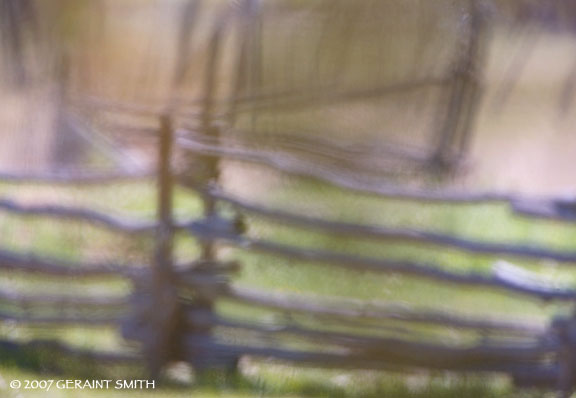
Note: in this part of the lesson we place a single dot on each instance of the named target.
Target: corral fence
(172, 312)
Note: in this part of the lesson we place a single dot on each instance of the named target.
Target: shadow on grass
(45, 361)
(379, 387)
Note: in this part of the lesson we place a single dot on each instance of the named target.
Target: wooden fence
(172, 312)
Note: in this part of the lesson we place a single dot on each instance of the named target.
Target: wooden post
(456, 125)
(163, 265)
(203, 171)
(565, 330)
(164, 315)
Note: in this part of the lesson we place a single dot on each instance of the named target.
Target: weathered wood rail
(531, 353)
(172, 310)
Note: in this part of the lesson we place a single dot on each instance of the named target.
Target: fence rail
(523, 349)
(173, 304)
(534, 355)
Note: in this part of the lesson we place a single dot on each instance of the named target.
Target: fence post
(165, 311)
(456, 125)
(564, 328)
(204, 170)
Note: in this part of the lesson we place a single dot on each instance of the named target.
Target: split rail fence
(172, 312)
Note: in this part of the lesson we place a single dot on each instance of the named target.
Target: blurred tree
(18, 26)
(42, 45)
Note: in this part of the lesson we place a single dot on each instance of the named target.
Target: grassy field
(283, 383)
(73, 241)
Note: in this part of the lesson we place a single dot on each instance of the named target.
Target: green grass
(492, 222)
(280, 383)
(526, 127)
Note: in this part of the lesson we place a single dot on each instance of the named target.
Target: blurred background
(451, 94)
(60, 60)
